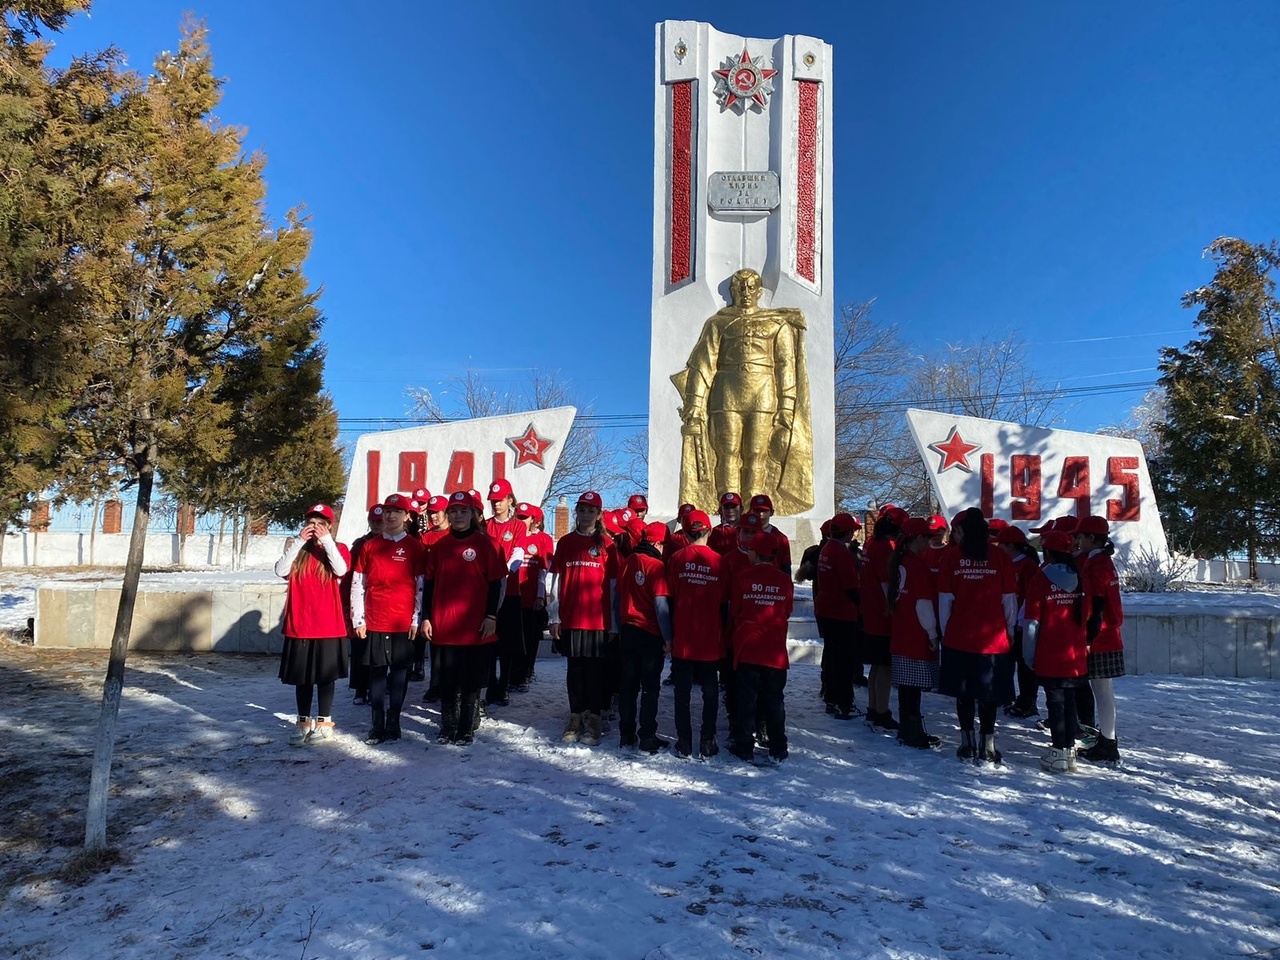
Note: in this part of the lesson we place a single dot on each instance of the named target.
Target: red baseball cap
(1011, 534)
(638, 502)
(825, 529)
(896, 515)
(995, 525)
(500, 489)
(697, 518)
(634, 527)
(915, 527)
(591, 499)
(477, 501)
(397, 501)
(531, 510)
(1094, 526)
(462, 498)
(422, 494)
(1046, 527)
(937, 523)
(438, 504)
(761, 501)
(885, 508)
(1067, 524)
(843, 523)
(730, 500)
(321, 510)
(750, 522)
(611, 524)
(1057, 541)
(654, 532)
(764, 545)
(375, 512)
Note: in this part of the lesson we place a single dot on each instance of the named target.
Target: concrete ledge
(245, 617)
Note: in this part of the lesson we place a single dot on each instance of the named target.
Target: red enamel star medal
(529, 447)
(743, 80)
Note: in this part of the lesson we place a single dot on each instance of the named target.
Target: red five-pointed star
(529, 447)
(744, 79)
(955, 452)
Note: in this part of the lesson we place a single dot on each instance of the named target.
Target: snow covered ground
(237, 845)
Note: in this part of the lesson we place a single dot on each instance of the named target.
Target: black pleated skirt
(985, 677)
(306, 662)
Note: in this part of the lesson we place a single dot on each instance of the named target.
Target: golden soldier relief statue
(745, 405)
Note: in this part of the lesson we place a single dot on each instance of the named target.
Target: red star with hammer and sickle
(735, 89)
(529, 447)
(955, 452)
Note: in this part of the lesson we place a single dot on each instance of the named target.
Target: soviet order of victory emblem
(743, 80)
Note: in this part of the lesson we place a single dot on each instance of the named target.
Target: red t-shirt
(356, 546)
(695, 577)
(505, 534)
(641, 580)
(908, 638)
(583, 590)
(1023, 572)
(539, 548)
(461, 569)
(1099, 579)
(723, 538)
(784, 548)
(875, 580)
(391, 569)
(1061, 648)
(977, 623)
(676, 541)
(837, 575)
(313, 608)
(934, 556)
(761, 601)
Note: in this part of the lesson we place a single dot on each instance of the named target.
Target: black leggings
(392, 682)
(587, 679)
(324, 702)
(986, 715)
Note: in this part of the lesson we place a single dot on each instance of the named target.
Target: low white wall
(244, 617)
(63, 549)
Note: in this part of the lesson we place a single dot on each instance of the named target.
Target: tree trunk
(93, 529)
(95, 831)
(1253, 559)
(222, 529)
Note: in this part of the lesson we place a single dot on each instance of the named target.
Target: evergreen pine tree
(1218, 474)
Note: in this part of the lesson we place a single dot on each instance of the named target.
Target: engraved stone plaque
(744, 191)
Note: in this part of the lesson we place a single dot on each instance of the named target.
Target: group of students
(956, 610)
(961, 611)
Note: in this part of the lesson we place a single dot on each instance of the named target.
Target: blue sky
(479, 175)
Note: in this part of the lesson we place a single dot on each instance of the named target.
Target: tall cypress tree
(1218, 475)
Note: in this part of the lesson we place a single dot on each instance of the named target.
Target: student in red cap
(638, 504)
(835, 608)
(314, 656)
(435, 526)
(359, 681)
(416, 527)
(724, 538)
(874, 649)
(977, 610)
(537, 549)
(579, 618)
(761, 601)
(699, 600)
(1055, 644)
(913, 640)
(678, 537)
(1101, 585)
(644, 618)
(386, 600)
(938, 545)
(762, 507)
(733, 564)
(464, 580)
(1025, 564)
(506, 530)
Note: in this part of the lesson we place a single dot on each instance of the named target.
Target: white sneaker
(321, 731)
(1058, 760)
(301, 730)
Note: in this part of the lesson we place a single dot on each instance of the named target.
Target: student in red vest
(638, 504)
(937, 542)
(762, 507)
(732, 564)
(977, 609)
(359, 681)
(314, 656)
(724, 538)
(1025, 564)
(386, 600)
(913, 640)
(644, 618)
(678, 537)
(579, 618)
(537, 550)
(835, 607)
(464, 580)
(434, 527)
(1055, 643)
(761, 601)
(874, 649)
(505, 529)
(1101, 586)
(417, 528)
(699, 601)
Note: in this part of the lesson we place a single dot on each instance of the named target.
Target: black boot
(912, 733)
(393, 728)
(448, 722)
(1104, 751)
(968, 749)
(378, 732)
(987, 749)
(416, 672)
(468, 719)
